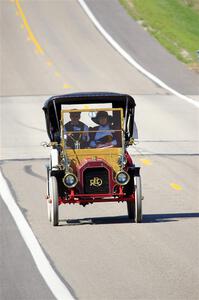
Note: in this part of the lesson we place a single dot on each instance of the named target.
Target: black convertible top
(52, 106)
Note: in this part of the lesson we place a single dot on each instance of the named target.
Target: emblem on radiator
(96, 181)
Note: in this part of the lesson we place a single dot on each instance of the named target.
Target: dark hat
(102, 114)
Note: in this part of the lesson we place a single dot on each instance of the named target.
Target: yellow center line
(57, 74)
(31, 37)
(67, 86)
(176, 186)
(30, 34)
(49, 63)
(146, 162)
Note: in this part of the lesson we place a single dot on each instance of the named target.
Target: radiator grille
(96, 181)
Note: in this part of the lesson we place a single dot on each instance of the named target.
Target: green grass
(174, 23)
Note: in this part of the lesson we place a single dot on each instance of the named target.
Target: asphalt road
(96, 252)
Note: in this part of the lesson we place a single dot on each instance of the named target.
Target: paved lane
(24, 70)
(101, 254)
(96, 250)
(19, 276)
(73, 53)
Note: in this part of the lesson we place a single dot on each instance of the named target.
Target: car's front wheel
(131, 210)
(48, 195)
(53, 203)
(138, 199)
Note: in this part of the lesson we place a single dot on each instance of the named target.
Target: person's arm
(85, 135)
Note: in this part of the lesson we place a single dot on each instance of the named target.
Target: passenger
(103, 136)
(76, 138)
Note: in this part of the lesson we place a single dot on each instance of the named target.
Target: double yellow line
(30, 34)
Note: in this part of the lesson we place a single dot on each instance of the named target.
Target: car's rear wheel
(138, 199)
(53, 204)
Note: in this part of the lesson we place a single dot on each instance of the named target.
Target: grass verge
(174, 23)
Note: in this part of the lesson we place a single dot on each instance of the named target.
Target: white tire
(48, 196)
(49, 204)
(54, 198)
(138, 199)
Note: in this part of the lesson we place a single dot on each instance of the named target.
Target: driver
(103, 136)
(77, 138)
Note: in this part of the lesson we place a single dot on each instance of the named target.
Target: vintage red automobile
(89, 135)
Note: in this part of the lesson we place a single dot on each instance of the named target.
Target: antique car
(89, 135)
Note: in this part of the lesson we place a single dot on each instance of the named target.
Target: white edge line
(57, 287)
(130, 59)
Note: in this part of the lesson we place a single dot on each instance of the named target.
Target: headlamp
(122, 178)
(70, 180)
